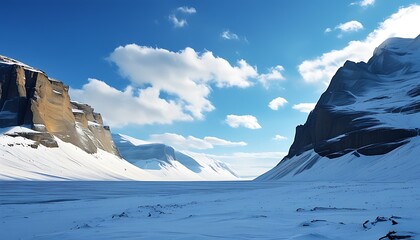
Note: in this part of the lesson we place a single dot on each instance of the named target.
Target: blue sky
(199, 75)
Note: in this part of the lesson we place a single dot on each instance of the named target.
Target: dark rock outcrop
(368, 109)
(29, 97)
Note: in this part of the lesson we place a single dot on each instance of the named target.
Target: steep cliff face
(369, 109)
(29, 97)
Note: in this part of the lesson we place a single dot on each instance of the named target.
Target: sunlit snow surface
(19, 160)
(208, 210)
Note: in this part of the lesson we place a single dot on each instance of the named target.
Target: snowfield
(20, 160)
(209, 210)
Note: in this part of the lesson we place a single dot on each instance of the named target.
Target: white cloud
(185, 75)
(364, 3)
(351, 26)
(274, 74)
(327, 30)
(183, 143)
(222, 142)
(277, 102)
(179, 141)
(279, 138)
(304, 107)
(187, 10)
(119, 108)
(250, 164)
(228, 35)
(181, 22)
(178, 23)
(247, 121)
(401, 24)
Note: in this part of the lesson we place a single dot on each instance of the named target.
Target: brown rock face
(29, 97)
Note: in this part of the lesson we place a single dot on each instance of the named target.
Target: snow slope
(19, 160)
(366, 125)
(209, 210)
(401, 164)
(166, 163)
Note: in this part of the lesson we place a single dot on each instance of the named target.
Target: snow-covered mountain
(23, 159)
(46, 136)
(366, 124)
(165, 162)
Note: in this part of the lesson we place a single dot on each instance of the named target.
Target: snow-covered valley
(209, 210)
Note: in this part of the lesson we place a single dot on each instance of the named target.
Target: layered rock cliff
(369, 109)
(29, 97)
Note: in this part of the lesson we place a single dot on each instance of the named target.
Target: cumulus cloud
(400, 24)
(119, 108)
(277, 102)
(327, 30)
(364, 3)
(250, 164)
(179, 22)
(186, 75)
(247, 121)
(274, 74)
(304, 107)
(351, 26)
(228, 35)
(165, 86)
(191, 142)
(279, 138)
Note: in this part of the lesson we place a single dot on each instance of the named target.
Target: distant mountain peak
(163, 160)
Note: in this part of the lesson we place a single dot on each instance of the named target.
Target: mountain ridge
(369, 109)
(161, 159)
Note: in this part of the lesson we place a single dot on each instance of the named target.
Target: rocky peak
(368, 109)
(29, 97)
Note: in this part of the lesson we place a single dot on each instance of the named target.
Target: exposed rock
(368, 109)
(29, 97)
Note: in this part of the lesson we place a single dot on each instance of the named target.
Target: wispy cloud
(188, 10)
(400, 24)
(347, 27)
(246, 121)
(178, 23)
(274, 74)
(277, 102)
(364, 3)
(222, 142)
(279, 138)
(190, 142)
(304, 107)
(181, 21)
(228, 35)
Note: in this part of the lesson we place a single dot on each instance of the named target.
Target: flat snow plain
(208, 210)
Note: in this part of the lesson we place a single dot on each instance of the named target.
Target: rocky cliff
(29, 97)
(369, 109)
